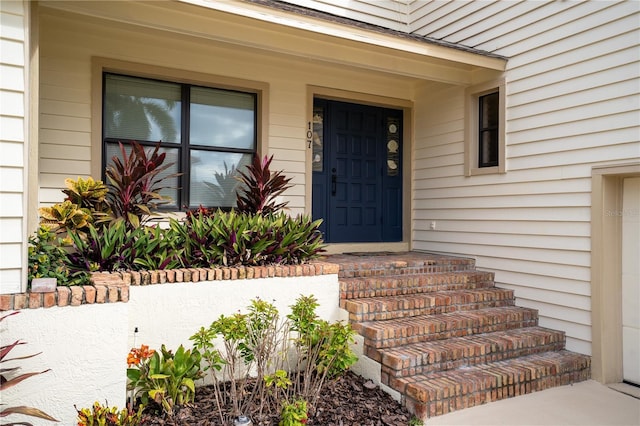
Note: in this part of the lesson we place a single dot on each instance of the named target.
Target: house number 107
(309, 135)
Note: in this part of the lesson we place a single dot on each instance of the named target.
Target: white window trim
(471, 140)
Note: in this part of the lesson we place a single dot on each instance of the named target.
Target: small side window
(485, 134)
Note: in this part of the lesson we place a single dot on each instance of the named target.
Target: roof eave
(359, 33)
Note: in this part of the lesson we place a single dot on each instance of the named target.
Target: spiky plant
(261, 187)
(135, 183)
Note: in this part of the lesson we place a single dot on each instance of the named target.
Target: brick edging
(114, 287)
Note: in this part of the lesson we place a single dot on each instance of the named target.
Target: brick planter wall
(114, 287)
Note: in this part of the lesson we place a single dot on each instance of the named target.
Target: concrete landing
(580, 404)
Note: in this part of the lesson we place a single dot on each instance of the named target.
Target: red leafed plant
(135, 183)
(6, 382)
(261, 187)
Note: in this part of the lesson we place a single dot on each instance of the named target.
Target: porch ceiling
(275, 31)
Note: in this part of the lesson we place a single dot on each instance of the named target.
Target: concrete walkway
(584, 403)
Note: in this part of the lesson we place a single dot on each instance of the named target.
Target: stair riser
(465, 358)
(377, 269)
(397, 286)
(437, 308)
(443, 396)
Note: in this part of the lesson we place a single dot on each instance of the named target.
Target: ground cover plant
(105, 227)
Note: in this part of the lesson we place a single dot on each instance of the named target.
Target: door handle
(334, 182)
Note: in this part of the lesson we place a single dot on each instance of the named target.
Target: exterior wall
(572, 104)
(13, 142)
(86, 346)
(69, 43)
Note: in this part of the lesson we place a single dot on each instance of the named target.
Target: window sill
(478, 171)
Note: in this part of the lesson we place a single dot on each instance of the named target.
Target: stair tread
(433, 303)
(418, 349)
(415, 274)
(413, 321)
(454, 352)
(407, 330)
(441, 293)
(399, 284)
(512, 371)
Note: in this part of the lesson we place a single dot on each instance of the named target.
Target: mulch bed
(350, 400)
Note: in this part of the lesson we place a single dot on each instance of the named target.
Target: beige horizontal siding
(540, 215)
(572, 103)
(13, 106)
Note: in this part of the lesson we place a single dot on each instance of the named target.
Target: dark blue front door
(357, 178)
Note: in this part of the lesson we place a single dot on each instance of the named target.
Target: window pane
(318, 138)
(489, 111)
(488, 148)
(213, 182)
(488, 129)
(113, 149)
(141, 109)
(222, 118)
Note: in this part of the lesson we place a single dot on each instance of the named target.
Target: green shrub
(259, 342)
(156, 248)
(323, 347)
(294, 413)
(65, 216)
(47, 256)
(164, 378)
(87, 193)
(106, 247)
(232, 238)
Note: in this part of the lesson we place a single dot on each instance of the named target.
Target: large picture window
(208, 133)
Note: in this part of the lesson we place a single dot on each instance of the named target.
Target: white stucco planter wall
(171, 313)
(86, 346)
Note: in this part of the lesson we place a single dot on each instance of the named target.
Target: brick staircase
(445, 336)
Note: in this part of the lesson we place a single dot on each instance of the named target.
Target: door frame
(407, 137)
(606, 269)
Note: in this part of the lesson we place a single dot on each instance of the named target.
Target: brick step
(390, 307)
(403, 331)
(428, 357)
(411, 283)
(366, 264)
(429, 395)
